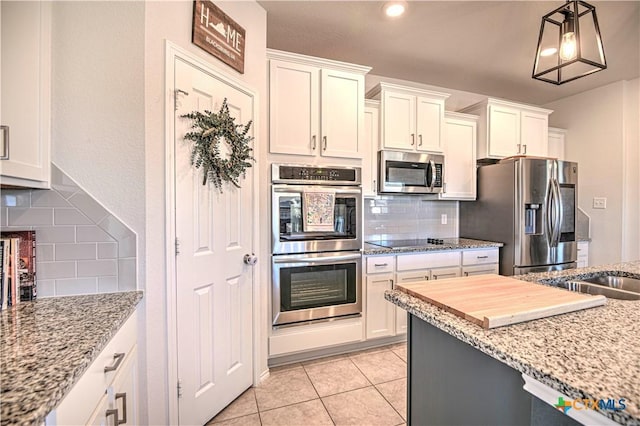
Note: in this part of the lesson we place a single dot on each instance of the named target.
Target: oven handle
(295, 190)
(323, 259)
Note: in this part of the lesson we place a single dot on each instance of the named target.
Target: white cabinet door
(125, 390)
(399, 116)
(583, 254)
(534, 131)
(25, 92)
(370, 149)
(429, 119)
(294, 108)
(401, 320)
(443, 273)
(556, 142)
(504, 131)
(460, 159)
(342, 108)
(380, 314)
(469, 271)
(99, 416)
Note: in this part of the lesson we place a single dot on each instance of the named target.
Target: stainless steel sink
(613, 287)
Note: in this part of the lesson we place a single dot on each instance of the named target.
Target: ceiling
(484, 47)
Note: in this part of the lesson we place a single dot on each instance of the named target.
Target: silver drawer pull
(117, 360)
(380, 264)
(466, 274)
(122, 395)
(482, 257)
(112, 412)
(5, 142)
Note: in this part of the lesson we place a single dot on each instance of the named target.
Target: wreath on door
(220, 146)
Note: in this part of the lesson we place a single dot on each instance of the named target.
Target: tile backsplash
(400, 217)
(81, 248)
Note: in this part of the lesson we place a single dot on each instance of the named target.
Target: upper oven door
(289, 235)
(403, 172)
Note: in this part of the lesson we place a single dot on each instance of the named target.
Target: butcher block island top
(586, 354)
(493, 300)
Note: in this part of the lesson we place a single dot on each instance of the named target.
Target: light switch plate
(599, 203)
(443, 219)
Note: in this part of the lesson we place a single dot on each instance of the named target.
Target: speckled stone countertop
(46, 345)
(593, 353)
(449, 244)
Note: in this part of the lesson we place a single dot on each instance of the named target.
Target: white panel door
(294, 107)
(380, 314)
(214, 286)
(534, 133)
(370, 150)
(460, 159)
(504, 131)
(430, 115)
(342, 113)
(399, 126)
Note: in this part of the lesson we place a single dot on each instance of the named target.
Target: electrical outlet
(443, 219)
(599, 203)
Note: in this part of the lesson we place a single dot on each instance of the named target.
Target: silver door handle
(122, 396)
(420, 139)
(313, 142)
(250, 259)
(318, 260)
(559, 212)
(118, 360)
(324, 141)
(433, 174)
(5, 142)
(413, 139)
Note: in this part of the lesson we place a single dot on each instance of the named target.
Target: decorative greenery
(209, 130)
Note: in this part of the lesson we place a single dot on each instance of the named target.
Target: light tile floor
(361, 388)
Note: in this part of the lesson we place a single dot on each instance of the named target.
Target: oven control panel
(283, 173)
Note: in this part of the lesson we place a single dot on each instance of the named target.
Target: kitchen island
(591, 354)
(48, 344)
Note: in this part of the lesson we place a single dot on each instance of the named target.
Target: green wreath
(208, 131)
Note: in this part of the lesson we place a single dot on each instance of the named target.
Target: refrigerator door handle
(559, 213)
(549, 231)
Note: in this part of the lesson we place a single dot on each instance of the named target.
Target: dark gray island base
(452, 383)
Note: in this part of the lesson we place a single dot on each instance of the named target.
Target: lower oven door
(315, 286)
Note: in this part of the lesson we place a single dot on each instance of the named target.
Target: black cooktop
(416, 242)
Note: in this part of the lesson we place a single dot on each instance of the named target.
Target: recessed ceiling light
(548, 51)
(393, 9)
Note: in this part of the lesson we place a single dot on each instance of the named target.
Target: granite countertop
(449, 244)
(46, 345)
(593, 353)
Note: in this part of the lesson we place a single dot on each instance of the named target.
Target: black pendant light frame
(574, 16)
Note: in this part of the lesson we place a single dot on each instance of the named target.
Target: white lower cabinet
(107, 393)
(583, 254)
(444, 273)
(381, 314)
(469, 271)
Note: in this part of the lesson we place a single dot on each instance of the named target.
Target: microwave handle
(433, 174)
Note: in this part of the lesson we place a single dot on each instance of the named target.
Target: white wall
(596, 128)
(631, 153)
(172, 21)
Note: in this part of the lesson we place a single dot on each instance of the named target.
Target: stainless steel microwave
(410, 172)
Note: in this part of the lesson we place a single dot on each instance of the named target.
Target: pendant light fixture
(569, 45)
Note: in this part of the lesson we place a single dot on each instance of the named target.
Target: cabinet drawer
(379, 264)
(413, 276)
(468, 271)
(77, 407)
(407, 262)
(477, 257)
(444, 273)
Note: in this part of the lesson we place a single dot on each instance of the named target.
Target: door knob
(250, 259)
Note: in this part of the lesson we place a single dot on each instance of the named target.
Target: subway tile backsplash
(81, 248)
(401, 217)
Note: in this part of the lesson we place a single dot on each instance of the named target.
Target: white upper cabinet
(316, 106)
(556, 143)
(460, 157)
(25, 90)
(508, 128)
(370, 148)
(411, 119)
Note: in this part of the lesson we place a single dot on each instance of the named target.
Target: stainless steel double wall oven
(316, 273)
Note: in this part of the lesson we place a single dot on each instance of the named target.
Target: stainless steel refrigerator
(529, 204)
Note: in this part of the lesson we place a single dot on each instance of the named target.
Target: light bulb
(395, 8)
(568, 50)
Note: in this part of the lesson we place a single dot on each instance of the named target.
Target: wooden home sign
(218, 34)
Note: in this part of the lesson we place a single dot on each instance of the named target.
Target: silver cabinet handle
(380, 264)
(5, 142)
(324, 141)
(519, 148)
(112, 412)
(117, 361)
(313, 142)
(374, 186)
(525, 148)
(420, 139)
(392, 284)
(122, 396)
(413, 139)
(482, 257)
(466, 274)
